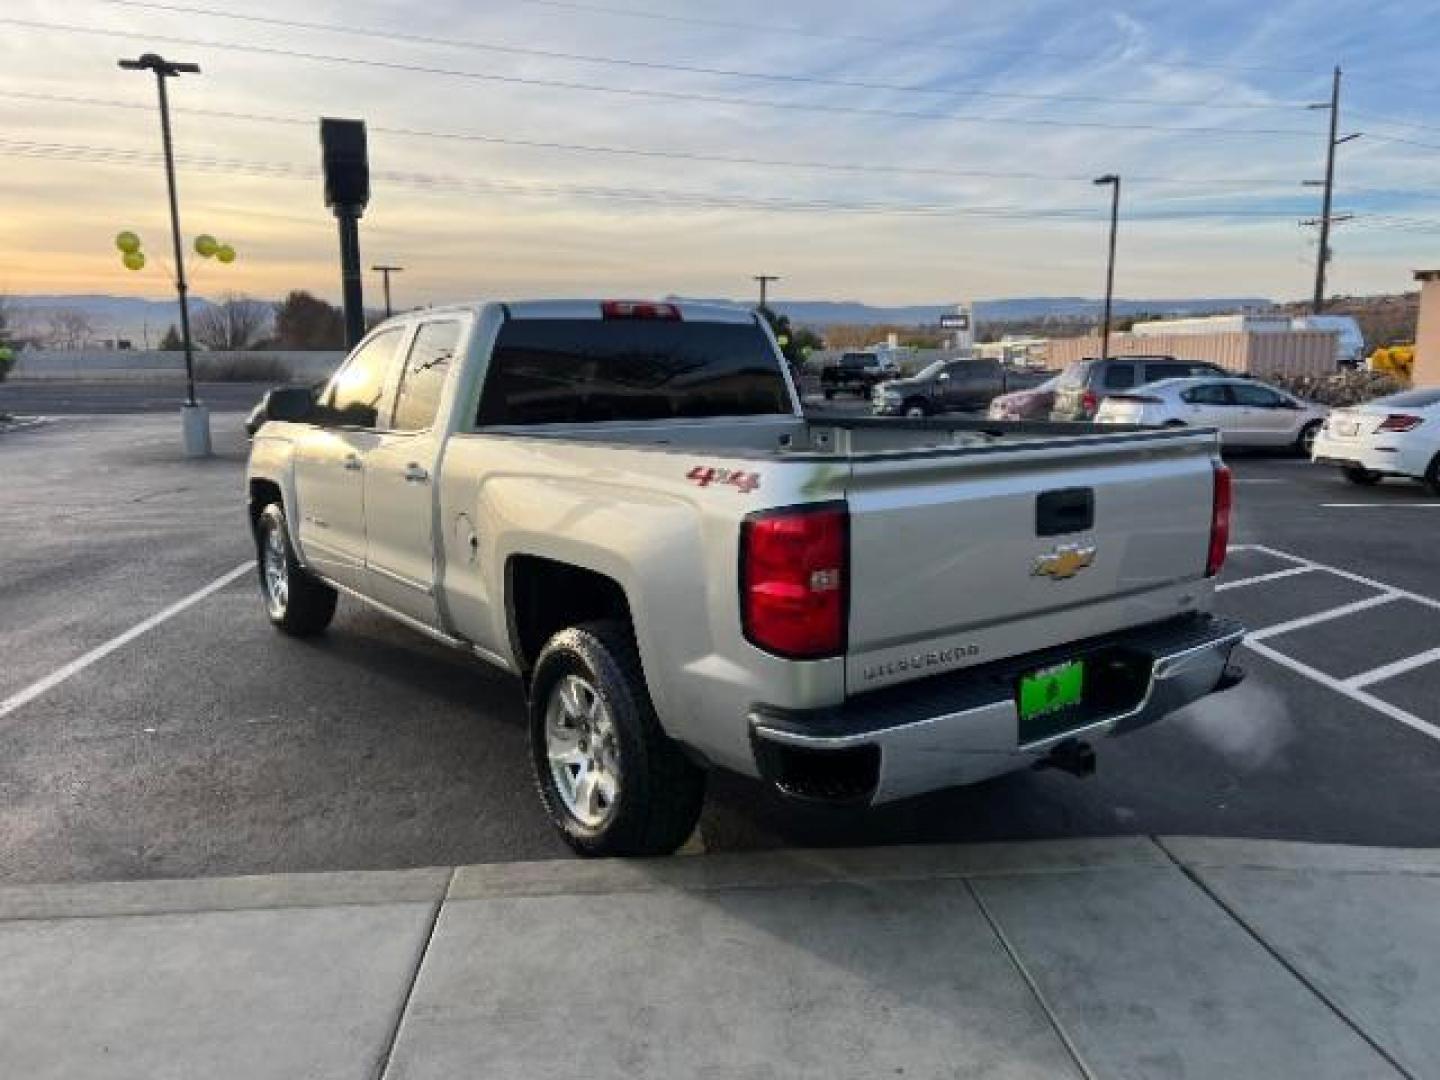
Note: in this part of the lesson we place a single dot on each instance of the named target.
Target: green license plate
(1047, 692)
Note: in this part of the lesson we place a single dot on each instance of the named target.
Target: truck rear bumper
(964, 727)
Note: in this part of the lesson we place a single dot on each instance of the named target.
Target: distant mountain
(831, 312)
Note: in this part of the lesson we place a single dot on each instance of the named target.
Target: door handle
(414, 474)
(352, 463)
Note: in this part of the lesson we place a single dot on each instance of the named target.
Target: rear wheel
(1357, 475)
(296, 602)
(611, 781)
(1305, 442)
(1432, 476)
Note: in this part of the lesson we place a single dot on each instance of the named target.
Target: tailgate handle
(1065, 510)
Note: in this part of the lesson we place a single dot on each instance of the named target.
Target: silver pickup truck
(624, 504)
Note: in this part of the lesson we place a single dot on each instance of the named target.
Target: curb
(749, 870)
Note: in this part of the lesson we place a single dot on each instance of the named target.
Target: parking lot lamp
(195, 418)
(1113, 181)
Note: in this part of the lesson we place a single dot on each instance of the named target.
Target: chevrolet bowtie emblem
(1064, 562)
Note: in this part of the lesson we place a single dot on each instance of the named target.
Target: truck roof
(690, 311)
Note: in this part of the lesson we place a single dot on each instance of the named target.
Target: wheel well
(543, 597)
(262, 494)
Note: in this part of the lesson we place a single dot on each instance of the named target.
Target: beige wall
(1427, 335)
(1296, 352)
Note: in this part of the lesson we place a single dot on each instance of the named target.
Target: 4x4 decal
(705, 475)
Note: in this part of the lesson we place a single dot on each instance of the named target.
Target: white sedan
(1397, 435)
(1247, 413)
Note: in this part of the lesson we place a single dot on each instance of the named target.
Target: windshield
(931, 370)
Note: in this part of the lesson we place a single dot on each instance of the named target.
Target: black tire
(916, 408)
(660, 790)
(1432, 477)
(829, 395)
(1357, 475)
(1305, 441)
(305, 605)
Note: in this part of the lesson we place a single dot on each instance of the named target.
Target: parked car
(856, 373)
(1032, 404)
(952, 386)
(1084, 383)
(623, 504)
(1397, 435)
(1245, 412)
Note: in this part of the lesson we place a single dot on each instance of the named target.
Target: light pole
(1113, 180)
(194, 417)
(385, 272)
(764, 280)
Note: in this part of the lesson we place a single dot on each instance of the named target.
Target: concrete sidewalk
(1105, 958)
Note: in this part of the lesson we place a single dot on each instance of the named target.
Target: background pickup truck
(952, 386)
(622, 504)
(856, 373)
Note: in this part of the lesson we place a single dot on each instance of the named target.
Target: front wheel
(611, 781)
(1432, 477)
(1361, 476)
(916, 410)
(1305, 443)
(296, 602)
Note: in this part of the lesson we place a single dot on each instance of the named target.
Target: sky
(910, 152)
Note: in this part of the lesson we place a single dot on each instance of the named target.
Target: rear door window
(1207, 394)
(424, 376)
(1175, 370)
(1119, 376)
(1258, 397)
(554, 371)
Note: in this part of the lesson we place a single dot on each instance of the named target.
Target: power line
(666, 95)
(688, 199)
(678, 155)
(692, 69)
(928, 43)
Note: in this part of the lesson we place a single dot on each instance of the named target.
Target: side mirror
(293, 403)
(944, 376)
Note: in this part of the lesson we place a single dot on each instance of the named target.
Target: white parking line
(1389, 671)
(1340, 687)
(1353, 687)
(1274, 575)
(1323, 616)
(1380, 506)
(79, 664)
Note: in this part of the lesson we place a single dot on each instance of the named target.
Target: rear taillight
(793, 587)
(1400, 422)
(1089, 402)
(1219, 522)
(639, 309)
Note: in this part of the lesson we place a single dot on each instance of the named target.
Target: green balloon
(206, 245)
(225, 253)
(127, 242)
(133, 260)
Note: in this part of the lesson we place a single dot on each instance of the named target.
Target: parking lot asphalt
(52, 397)
(207, 744)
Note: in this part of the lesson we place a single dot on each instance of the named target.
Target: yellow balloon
(206, 245)
(133, 260)
(225, 253)
(127, 242)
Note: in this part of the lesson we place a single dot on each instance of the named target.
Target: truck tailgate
(961, 559)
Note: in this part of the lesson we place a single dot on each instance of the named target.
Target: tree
(172, 341)
(303, 321)
(794, 344)
(236, 322)
(67, 328)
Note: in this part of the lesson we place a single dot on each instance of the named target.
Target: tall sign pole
(347, 192)
(195, 418)
(1114, 181)
(1327, 218)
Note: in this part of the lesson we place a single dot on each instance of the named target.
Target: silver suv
(1084, 384)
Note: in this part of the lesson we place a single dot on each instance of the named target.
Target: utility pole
(385, 272)
(1322, 257)
(195, 418)
(1113, 181)
(764, 280)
